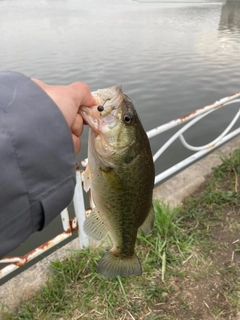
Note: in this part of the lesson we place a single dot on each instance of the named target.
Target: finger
(69, 98)
(83, 96)
(77, 126)
(77, 144)
(80, 92)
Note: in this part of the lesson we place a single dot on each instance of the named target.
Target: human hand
(69, 99)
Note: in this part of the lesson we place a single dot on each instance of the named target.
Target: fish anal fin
(94, 227)
(112, 266)
(148, 223)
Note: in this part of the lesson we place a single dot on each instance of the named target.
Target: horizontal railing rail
(71, 225)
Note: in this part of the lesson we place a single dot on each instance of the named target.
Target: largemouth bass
(120, 174)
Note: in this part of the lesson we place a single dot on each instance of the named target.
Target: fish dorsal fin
(94, 227)
(148, 223)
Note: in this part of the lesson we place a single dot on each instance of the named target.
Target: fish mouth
(109, 100)
(89, 115)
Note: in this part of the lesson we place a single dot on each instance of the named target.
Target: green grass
(75, 284)
(190, 264)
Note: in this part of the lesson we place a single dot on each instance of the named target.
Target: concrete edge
(173, 191)
(187, 181)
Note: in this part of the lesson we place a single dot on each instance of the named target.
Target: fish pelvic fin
(112, 266)
(94, 227)
(148, 223)
(87, 178)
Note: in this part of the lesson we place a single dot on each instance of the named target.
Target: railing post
(79, 207)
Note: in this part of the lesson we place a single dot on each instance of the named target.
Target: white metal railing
(70, 225)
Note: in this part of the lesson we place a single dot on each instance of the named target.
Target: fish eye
(128, 118)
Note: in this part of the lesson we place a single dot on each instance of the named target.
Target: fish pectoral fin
(148, 223)
(94, 227)
(112, 179)
(87, 178)
(112, 266)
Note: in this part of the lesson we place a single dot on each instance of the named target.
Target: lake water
(170, 57)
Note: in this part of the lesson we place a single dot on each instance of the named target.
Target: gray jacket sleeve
(37, 162)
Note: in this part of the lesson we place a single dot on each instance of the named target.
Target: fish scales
(120, 174)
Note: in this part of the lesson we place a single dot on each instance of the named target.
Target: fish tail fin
(111, 266)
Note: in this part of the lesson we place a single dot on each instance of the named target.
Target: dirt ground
(209, 287)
